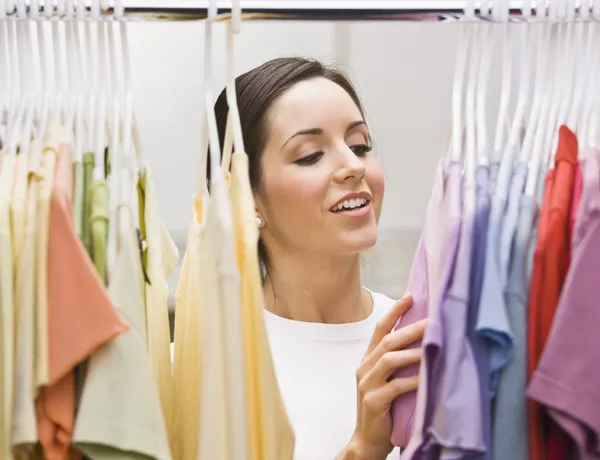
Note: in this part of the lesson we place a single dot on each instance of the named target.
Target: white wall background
(403, 72)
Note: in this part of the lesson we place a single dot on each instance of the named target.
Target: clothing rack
(331, 10)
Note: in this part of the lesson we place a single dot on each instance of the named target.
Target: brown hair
(257, 91)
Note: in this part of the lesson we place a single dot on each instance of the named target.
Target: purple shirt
(567, 379)
(478, 343)
(456, 423)
(441, 237)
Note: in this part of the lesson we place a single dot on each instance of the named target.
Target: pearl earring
(259, 221)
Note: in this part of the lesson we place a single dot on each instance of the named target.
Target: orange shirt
(81, 317)
(549, 272)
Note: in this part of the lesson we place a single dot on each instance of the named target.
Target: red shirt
(551, 258)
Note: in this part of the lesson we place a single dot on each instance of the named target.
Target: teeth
(350, 204)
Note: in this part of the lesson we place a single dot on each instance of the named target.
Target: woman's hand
(376, 391)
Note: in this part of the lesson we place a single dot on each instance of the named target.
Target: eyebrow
(319, 131)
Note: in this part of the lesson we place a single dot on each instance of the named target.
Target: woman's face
(322, 187)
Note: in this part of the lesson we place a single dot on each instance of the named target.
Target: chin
(359, 240)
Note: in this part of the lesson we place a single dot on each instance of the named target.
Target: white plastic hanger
(483, 73)
(545, 81)
(81, 87)
(563, 84)
(234, 124)
(501, 13)
(126, 155)
(30, 79)
(592, 66)
(5, 73)
(100, 108)
(470, 160)
(211, 120)
(593, 140)
(46, 80)
(18, 100)
(73, 83)
(570, 78)
(581, 50)
(526, 45)
(209, 133)
(459, 83)
(130, 125)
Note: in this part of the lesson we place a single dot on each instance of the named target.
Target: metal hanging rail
(332, 10)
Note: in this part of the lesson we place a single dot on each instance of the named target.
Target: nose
(351, 167)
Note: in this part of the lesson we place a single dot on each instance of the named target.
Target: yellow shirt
(187, 359)
(6, 305)
(24, 434)
(19, 204)
(46, 181)
(161, 260)
(270, 435)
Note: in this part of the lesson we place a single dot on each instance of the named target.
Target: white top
(316, 365)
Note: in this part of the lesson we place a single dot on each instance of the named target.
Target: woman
(318, 191)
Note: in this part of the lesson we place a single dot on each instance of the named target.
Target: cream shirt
(6, 305)
(24, 434)
(222, 428)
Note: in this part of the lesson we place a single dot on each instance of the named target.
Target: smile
(348, 205)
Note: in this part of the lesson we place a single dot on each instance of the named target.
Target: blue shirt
(492, 320)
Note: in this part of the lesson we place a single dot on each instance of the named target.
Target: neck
(317, 289)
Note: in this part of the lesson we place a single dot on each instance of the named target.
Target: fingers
(387, 322)
(387, 365)
(380, 400)
(396, 340)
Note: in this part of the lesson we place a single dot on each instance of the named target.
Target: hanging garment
(98, 225)
(186, 347)
(86, 207)
(539, 198)
(161, 259)
(220, 436)
(270, 435)
(552, 255)
(6, 305)
(78, 196)
(510, 415)
(444, 212)
(492, 322)
(18, 208)
(478, 343)
(457, 377)
(80, 317)
(24, 429)
(566, 380)
(423, 284)
(119, 413)
(577, 192)
(46, 181)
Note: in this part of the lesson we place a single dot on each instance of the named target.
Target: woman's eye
(361, 150)
(309, 159)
